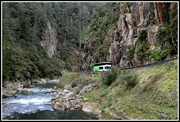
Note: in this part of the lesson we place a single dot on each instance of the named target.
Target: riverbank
(34, 103)
(67, 98)
(9, 88)
(70, 96)
(149, 93)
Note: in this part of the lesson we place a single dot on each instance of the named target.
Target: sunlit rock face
(141, 19)
(133, 20)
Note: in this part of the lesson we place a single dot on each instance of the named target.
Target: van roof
(102, 63)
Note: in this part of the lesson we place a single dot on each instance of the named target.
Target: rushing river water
(31, 105)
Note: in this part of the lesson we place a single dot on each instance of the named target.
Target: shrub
(131, 52)
(149, 84)
(110, 76)
(67, 78)
(103, 93)
(142, 36)
(81, 80)
(128, 80)
(159, 55)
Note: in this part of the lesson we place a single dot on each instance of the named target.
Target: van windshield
(100, 67)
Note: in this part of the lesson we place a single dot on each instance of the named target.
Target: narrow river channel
(30, 105)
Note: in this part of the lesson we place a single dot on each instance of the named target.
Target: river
(30, 105)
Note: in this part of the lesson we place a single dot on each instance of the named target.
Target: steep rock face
(134, 20)
(158, 12)
(114, 49)
(130, 24)
(135, 34)
(50, 40)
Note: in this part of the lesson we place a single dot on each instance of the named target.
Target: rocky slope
(72, 87)
(69, 99)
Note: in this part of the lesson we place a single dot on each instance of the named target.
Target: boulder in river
(8, 93)
(47, 103)
(8, 102)
(59, 106)
(70, 95)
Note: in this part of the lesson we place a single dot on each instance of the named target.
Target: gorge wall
(135, 37)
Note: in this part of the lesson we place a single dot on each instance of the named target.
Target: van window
(107, 67)
(100, 67)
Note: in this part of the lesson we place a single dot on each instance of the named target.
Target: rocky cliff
(50, 40)
(135, 38)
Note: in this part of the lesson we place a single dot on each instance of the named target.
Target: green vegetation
(167, 33)
(79, 27)
(104, 21)
(109, 77)
(25, 27)
(77, 80)
(127, 80)
(140, 48)
(22, 64)
(149, 93)
(67, 78)
(166, 38)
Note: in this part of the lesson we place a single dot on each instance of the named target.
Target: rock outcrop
(135, 32)
(71, 99)
(50, 40)
(9, 88)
